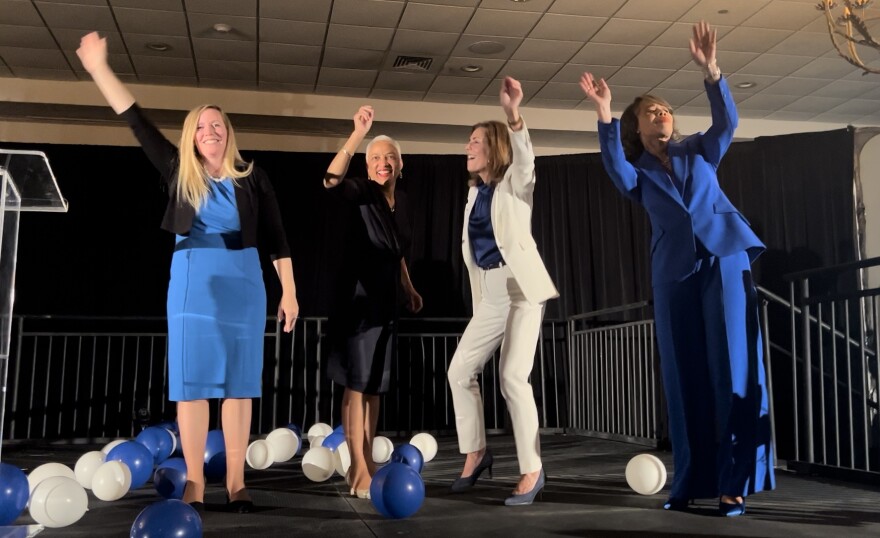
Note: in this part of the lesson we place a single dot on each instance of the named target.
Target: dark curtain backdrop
(107, 256)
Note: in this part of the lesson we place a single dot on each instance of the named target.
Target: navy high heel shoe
(465, 483)
(676, 504)
(731, 509)
(529, 497)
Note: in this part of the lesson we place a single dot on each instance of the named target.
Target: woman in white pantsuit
(509, 285)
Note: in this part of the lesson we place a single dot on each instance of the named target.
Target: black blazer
(258, 210)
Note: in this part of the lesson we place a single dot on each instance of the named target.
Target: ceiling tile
(37, 58)
(69, 39)
(469, 86)
(751, 39)
(830, 68)
(520, 70)
(137, 44)
(295, 33)
(662, 58)
(507, 46)
(652, 10)
(605, 8)
(221, 49)
(243, 8)
(435, 18)
(353, 58)
(5, 71)
(459, 3)
(201, 25)
(357, 78)
(836, 117)
(419, 82)
(227, 70)
(545, 50)
(45, 74)
(288, 74)
(765, 101)
(734, 12)
(639, 76)
(846, 88)
(354, 37)
(817, 105)
(287, 87)
(531, 5)
(629, 32)
(19, 12)
(804, 44)
(567, 27)
(27, 37)
(529, 88)
(154, 22)
(606, 54)
(681, 80)
(572, 73)
(423, 42)
(451, 98)
(784, 15)
(678, 98)
(396, 95)
(561, 90)
(278, 53)
(76, 16)
(679, 34)
(539, 102)
(166, 67)
(502, 23)
(787, 115)
(376, 13)
(490, 67)
(761, 82)
(164, 5)
(311, 11)
(163, 80)
(796, 86)
(774, 64)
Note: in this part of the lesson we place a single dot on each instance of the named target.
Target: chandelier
(849, 31)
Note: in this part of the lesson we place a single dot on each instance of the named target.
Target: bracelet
(343, 150)
(517, 123)
(712, 72)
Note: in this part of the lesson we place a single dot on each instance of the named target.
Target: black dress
(363, 315)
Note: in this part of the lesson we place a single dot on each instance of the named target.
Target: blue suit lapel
(652, 167)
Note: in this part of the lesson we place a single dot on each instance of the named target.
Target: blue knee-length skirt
(216, 323)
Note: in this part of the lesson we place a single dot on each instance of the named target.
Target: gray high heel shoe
(528, 497)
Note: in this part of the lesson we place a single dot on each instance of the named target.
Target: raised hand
(511, 96)
(92, 51)
(363, 120)
(599, 93)
(703, 44)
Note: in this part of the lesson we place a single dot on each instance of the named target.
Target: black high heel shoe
(239, 506)
(731, 509)
(198, 506)
(676, 504)
(465, 483)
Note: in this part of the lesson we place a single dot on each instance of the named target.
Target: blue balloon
(410, 455)
(14, 493)
(296, 429)
(169, 482)
(215, 456)
(159, 441)
(336, 438)
(137, 457)
(168, 425)
(397, 491)
(167, 518)
(174, 463)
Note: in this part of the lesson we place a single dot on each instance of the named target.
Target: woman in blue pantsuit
(704, 299)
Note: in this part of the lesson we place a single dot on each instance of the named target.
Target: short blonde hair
(192, 178)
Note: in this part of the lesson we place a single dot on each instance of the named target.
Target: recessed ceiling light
(222, 27)
(519, 1)
(486, 47)
(471, 68)
(158, 46)
(746, 85)
(723, 11)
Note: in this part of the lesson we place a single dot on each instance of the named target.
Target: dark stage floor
(586, 495)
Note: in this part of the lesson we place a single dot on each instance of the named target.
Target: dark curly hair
(629, 125)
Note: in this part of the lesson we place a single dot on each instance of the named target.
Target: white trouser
(503, 317)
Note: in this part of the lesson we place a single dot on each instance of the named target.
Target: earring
(400, 175)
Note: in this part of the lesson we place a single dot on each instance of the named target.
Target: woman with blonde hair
(509, 286)
(219, 208)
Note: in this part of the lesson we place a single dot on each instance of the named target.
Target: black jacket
(258, 210)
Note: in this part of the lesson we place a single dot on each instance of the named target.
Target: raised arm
(724, 116)
(363, 120)
(523, 164)
(92, 53)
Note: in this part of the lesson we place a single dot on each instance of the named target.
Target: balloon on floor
(397, 491)
(645, 474)
(167, 518)
(14, 493)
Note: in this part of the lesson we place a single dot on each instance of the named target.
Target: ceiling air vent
(413, 63)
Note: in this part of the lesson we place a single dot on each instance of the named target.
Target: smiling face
(655, 122)
(477, 151)
(383, 162)
(210, 136)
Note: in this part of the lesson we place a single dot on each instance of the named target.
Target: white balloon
(317, 429)
(86, 466)
(317, 464)
(316, 441)
(111, 481)
(382, 449)
(58, 501)
(173, 440)
(342, 459)
(645, 474)
(111, 445)
(48, 470)
(284, 443)
(260, 454)
(426, 444)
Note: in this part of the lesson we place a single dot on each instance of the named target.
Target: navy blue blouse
(482, 236)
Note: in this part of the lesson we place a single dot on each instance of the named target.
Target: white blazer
(511, 215)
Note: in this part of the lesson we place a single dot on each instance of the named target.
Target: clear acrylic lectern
(26, 184)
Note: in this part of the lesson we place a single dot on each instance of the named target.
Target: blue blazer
(701, 211)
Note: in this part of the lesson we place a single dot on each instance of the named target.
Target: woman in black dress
(362, 319)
